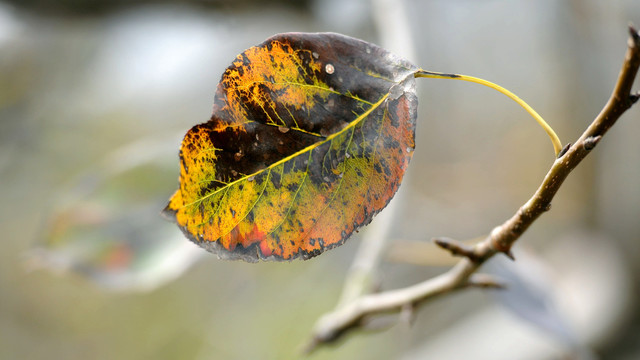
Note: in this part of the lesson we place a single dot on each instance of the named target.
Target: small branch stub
(457, 248)
(408, 314)
(635, 36)
(509, 254)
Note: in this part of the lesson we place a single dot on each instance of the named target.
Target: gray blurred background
(96, 95)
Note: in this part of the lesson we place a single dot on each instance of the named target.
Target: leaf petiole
(557, 145)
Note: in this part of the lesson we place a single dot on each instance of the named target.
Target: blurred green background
(95, 96)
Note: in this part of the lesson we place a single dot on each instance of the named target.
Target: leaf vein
(264, 187)
(305, 150)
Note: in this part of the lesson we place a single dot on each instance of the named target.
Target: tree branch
(354, 314)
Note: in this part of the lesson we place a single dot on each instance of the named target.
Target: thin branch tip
(319, 339)
(456, 248)
(509, 254)
(310, 347)
(443, 242)
(633, 32)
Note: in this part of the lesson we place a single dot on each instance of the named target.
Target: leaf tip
(168, 213)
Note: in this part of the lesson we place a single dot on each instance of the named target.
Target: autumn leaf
(310, 137)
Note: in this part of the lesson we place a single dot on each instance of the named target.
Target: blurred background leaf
(106, 226)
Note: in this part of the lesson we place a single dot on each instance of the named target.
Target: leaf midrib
(352, 124)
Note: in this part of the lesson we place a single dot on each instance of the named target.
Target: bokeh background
(95, 96)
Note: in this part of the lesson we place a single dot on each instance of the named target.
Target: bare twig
(332, 326)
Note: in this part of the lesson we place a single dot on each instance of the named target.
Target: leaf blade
(262, 178)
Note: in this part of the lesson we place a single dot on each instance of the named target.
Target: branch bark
(354, 314)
